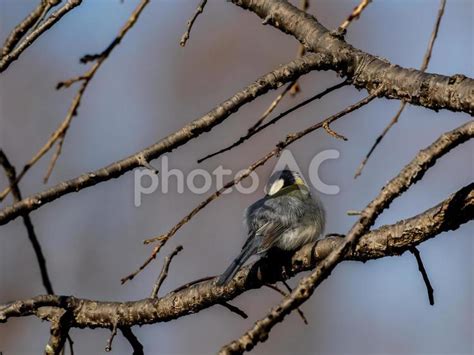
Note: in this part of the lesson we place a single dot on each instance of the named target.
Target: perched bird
(287, 218)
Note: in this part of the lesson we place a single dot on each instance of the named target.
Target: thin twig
(424, 274)
(234, 309)
(424, 66)
(284, 294)
(11, 175)
(192, 283)
(290, 138)
(59, 134)
(379, 139)
(355, 14)
(133, 340)
(53, 138)
(434, 35)
(164, 271)
(189, 26)
(153, 255)
(49, 4)
(272, 107)
(333, 133)
(54, 158)
(13, 55)
(253, 132)
(108, 346)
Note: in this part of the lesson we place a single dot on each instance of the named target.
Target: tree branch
(164, 271)
(11, 175)
(355, 14)
(433, 91)
(284, 294)
(424, 274)
(13, 55)
(60, 325)
(389, 240)
(189, 25)
(272, 80)
(133, 340)
(24, 26)
(234, 309)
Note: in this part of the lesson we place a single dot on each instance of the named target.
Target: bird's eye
(276, 186)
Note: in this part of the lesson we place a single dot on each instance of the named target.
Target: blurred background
(150, 87)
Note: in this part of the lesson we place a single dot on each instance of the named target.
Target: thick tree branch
(389, 240)
(272, 80)
(433, 91)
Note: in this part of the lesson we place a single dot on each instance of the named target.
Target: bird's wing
(268, 219)
(265, 236)
(269, 234)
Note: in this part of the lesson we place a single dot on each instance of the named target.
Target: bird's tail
(230, 272)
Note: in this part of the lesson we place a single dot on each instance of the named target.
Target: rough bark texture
(434, 91)
(388, 240)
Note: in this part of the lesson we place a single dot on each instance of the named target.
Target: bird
(286, 218)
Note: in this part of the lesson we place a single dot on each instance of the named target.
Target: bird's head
(282, 179)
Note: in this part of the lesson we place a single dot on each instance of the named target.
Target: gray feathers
(287, 220)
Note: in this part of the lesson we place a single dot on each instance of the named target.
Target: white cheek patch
(276, 186)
